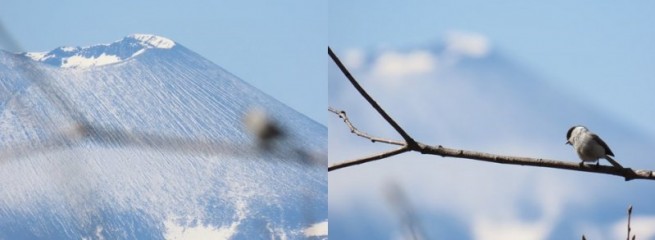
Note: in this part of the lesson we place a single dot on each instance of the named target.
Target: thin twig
(367, 159)
(629, 216)
(354, 130)
(409, 140)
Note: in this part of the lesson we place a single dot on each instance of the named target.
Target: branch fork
(409, 144)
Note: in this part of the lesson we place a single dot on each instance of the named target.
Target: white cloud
(642, 226)
(467, 44)
(397, 64)
(317, 230)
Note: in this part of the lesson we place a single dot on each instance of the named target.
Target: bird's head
(574, 131)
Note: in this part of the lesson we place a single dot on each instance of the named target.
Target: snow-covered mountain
(144, 139)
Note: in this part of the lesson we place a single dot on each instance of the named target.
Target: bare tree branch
(627, 173)
(412, 145)
(353, 129)
(439, 150)
(368, 159)
(409, 140)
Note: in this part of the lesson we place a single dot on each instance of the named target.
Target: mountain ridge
(101, 54)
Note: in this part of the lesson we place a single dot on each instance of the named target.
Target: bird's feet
(582, 164)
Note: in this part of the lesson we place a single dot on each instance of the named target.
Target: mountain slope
(149, 145)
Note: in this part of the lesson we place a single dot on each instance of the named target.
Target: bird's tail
(613, 162)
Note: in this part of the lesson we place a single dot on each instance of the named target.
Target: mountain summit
(98, 55)
(145, 139)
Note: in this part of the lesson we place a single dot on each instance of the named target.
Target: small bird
(263, 127)
(589, 146)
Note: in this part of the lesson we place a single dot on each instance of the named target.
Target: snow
(317, 230)
(177, 231)
(468, 44)
(82, 62)
(36, 56)
(137, 53)
(392, 64)
(68, 49)
(154, 41)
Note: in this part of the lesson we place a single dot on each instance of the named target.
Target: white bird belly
(591, 152)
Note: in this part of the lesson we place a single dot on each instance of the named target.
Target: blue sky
(600, 51)
(277, 47)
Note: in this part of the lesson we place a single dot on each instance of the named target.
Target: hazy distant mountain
(478, 98)
(144, 139)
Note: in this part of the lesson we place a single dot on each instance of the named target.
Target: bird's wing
(608, 151)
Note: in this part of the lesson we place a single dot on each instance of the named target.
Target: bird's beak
(568, 142)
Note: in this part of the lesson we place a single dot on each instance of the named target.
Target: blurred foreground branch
(410, 144)
(408, 216)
